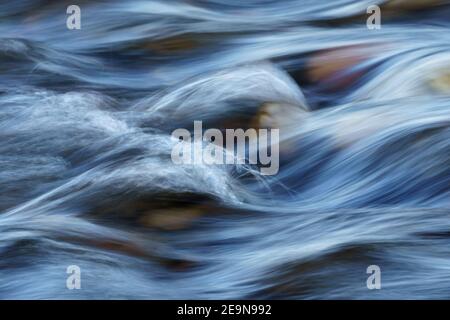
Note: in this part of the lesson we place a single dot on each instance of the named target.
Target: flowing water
(86, 176)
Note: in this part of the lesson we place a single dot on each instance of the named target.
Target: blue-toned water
(86, 177)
